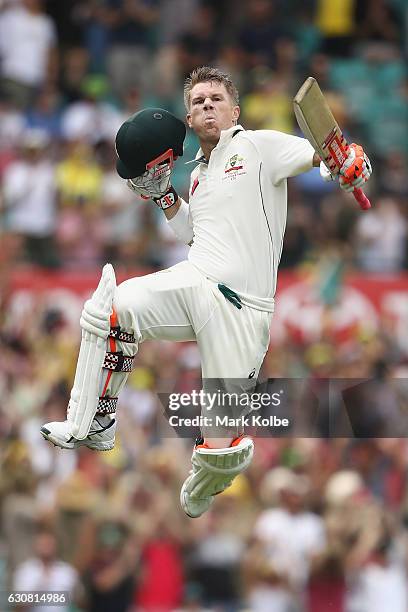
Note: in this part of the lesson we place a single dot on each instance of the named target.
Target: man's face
(211, 111)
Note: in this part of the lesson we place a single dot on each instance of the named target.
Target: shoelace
(230, 295)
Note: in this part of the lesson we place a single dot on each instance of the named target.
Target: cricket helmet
(145, 139)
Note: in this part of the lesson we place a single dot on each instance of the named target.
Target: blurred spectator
(27, 51)
(93, 117)
(131, 34)
(95, 19)
(381, 238)
(286, 539)
(169, 29)
(230, 60)
(336, 21)
(269, 105)
(123, 213)
(109, 578)
(201, 41)
(79, 182)
(394, 179)
(297, 237)
(45, 572)
(160, 556)
(379, 578)
(215, 558)
(11, 129)
(259, 34)
(19, 507)
(29, 192)
(66, 16)
(45, 114)
(377, 21)
(74, 70)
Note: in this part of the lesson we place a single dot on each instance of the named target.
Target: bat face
(319, 125)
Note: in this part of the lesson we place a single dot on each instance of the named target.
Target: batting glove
(140, 192)
(356, 170)
(167, 199)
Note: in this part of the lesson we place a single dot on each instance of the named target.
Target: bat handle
(362, 199)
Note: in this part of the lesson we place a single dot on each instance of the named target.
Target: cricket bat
(317, 123)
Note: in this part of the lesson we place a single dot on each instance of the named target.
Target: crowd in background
(315, 523)
(71, 73)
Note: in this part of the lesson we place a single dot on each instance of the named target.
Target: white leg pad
(95, 323)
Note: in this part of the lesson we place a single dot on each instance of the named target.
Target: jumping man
(222, 296)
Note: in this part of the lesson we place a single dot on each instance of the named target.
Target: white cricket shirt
(237, 210)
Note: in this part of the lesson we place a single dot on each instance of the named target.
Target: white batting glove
(164, 200)
(140, 192)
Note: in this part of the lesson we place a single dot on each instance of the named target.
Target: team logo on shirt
(234, 163)
(234, 166)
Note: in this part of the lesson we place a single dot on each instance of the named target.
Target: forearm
(180, 222)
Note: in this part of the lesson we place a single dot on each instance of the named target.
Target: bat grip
(362, 199)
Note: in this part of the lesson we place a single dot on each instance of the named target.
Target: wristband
(168, 199)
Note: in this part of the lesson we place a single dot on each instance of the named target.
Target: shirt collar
(225, 138)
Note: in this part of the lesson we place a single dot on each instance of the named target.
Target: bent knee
(130, 301)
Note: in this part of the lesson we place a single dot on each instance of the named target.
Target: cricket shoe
(213, 471)
(101, 435)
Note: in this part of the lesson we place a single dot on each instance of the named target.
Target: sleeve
(181, 223)
(283, 155)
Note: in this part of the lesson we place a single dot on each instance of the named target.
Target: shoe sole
(71, 445)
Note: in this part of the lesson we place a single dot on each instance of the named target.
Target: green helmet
(145, 137)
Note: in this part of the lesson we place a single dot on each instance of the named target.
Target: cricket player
(222, 296)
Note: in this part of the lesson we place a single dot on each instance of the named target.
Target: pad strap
(117, 362)
(106, 405)
(117, 334)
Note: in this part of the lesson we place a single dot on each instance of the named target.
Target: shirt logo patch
(234, 166)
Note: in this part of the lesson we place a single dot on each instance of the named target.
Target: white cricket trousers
(181, 304)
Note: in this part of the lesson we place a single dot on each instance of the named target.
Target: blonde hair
(204, 74)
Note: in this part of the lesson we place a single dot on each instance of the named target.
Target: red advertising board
(370, 301)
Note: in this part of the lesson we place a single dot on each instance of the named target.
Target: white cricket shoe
(101, 435)
(213, 471)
